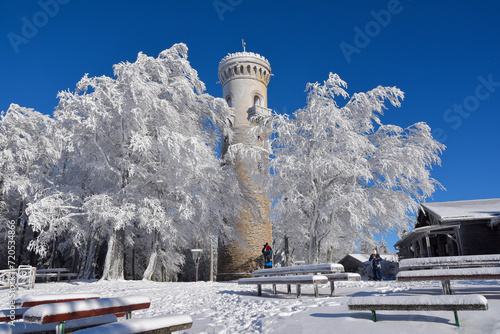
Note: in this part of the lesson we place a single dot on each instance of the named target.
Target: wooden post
(332, 288)
(456, 318)
(428, 246)
(298, 291)
(446, 287)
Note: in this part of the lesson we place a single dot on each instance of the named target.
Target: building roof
(364, 258)
(422, 231)
(463, 210)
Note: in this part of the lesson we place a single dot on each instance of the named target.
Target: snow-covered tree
(29, 154)
(339, 169)
(146, 142)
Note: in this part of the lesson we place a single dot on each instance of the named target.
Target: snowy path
(228, 308)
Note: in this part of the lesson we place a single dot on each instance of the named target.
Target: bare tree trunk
(133, 262)
(33, 261)
(113, 265)
(287, 252)
(18, 232)
(313, 254)
(20, 256)
(54, 253)
(153, 258)
(89, 261)
(329, 254)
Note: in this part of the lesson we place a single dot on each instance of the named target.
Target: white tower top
(246, 65)
(244, 77)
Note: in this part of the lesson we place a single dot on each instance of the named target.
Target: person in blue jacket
(267, 251)
(376, 264)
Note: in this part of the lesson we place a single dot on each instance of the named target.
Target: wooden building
(453, 228)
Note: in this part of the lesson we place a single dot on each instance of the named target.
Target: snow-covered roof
(361, 257)
(419, 231)
(463, 210)
(364, 258)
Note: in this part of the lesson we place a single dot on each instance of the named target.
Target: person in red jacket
(267, 251)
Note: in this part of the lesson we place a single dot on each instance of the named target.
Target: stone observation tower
(244, 77)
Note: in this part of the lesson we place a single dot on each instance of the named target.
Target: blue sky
(445, 56)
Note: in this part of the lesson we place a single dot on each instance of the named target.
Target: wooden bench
(323, 268)
(62, 312)
(466, 261)
(447, 275)
(24, 303)
(333, 271)
(288, 280)
(332, 278)
(12, 314)
(70, 325)
(56, 273)
(419, 303)
(154, 325)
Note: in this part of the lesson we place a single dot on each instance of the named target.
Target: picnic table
(450, 268)
(302, 274)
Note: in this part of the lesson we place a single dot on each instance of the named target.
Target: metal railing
(22, 276)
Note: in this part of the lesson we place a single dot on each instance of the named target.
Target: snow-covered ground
(230, 308)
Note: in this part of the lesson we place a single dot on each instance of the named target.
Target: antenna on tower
(243, 44)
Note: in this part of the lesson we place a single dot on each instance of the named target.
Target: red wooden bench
(70, 325)
(62, 312)
(24, 303)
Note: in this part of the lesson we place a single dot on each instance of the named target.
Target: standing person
(376, 264)
(267, 251)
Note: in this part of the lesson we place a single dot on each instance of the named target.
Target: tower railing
(256, 110)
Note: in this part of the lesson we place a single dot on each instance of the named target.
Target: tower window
(229, 102)
(256, 100)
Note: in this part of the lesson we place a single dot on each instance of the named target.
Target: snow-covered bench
(419, 303)
(12, 314)
(288, 280)
(468, 261)
(447, 275)
(333, 271)
(332, 278)
(56, 273)
(34, 300)
(62, 312)
(70, 325)
(154, 325)
(24, 303)
(323, 268)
